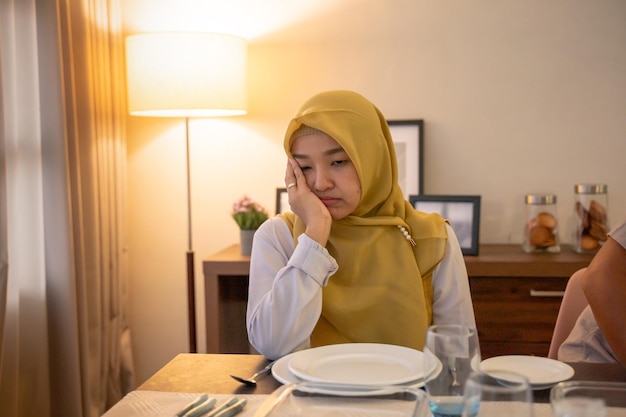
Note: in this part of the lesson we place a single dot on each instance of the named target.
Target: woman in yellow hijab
(354, 261)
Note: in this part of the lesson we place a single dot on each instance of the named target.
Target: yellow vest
(363, 303)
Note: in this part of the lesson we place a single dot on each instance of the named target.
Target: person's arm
(452, 302)
(285, 290)
(604, 284)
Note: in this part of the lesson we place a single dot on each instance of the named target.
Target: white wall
(517, 97)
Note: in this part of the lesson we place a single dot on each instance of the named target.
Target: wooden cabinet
(516, 298)
(225, 296)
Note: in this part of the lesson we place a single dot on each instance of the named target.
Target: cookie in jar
(541, 233)
(590, 209)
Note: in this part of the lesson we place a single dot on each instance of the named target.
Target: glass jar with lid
(590, 208)
(541, 233)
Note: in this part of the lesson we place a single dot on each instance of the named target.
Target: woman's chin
(338, 214)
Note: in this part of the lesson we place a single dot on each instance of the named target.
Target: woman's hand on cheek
(307, 205)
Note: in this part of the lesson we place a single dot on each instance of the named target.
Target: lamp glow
(186, 74)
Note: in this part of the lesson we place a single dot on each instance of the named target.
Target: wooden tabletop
(197, 372)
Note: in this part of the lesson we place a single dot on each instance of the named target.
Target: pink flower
(248, 214)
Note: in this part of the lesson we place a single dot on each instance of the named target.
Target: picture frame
(408, 138)
(463, 213)
(282, 201)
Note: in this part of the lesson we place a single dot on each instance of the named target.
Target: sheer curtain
(64, 341)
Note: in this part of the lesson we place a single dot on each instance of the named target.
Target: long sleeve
(452, 298)
(285, 291)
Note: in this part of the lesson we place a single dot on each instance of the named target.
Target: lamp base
(191, 302)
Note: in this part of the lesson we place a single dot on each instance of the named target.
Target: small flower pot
(245, 240)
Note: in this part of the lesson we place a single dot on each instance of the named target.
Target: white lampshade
(186, 74)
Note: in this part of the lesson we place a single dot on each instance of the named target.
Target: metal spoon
(251, 381)
(455, 387)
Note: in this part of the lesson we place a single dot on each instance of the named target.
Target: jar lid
(540, 199)
(590, 188)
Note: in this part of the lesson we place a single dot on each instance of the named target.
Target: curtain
(65, 346)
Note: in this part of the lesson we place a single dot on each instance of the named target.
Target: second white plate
(359, 364)
(353, 363)
(281, 372)
(541, 372)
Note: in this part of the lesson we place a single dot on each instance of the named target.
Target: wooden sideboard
(225, 296)
(516, 298)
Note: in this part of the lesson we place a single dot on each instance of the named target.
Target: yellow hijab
(382, 291)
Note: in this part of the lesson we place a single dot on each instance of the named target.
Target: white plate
(541, 372)
(358, 364)
(282, 372)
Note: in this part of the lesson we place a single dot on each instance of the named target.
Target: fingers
(291, 177)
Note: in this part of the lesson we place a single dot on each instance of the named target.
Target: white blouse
(285, 291)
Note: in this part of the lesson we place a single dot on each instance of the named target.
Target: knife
(275, 398)
(201, 408)
(193, 404)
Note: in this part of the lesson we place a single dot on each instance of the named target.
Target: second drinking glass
(497, 393)
(454, 350)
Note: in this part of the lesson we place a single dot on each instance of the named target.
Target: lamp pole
(175, 74)
(191, 282)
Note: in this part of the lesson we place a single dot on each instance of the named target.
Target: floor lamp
(185, 75)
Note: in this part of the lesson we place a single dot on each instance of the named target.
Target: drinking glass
(497, 393)
(453, 351)
(579, 407)
(588, 398)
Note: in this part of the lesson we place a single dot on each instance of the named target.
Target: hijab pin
(406, 234)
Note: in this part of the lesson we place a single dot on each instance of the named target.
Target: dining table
(188, 374)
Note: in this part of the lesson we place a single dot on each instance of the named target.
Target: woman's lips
(329, 201)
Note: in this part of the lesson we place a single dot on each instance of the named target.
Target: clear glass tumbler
(588, 398)
(454, 351)
(497, 393)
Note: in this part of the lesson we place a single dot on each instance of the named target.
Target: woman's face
(329, 173)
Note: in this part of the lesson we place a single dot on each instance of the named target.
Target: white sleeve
(285, 290)
(452, 302)
(619, 234)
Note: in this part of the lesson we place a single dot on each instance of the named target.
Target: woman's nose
(322, 181)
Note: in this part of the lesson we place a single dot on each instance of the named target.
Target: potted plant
(249, 215)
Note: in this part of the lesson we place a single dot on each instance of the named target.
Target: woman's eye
(340, 162)
(304, 168)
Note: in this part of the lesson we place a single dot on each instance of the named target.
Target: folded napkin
(156, 403)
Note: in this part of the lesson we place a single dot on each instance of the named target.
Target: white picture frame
(408, 138)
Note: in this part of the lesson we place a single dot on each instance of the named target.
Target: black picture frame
(408, 138)
(463, 213)
(282, 201)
